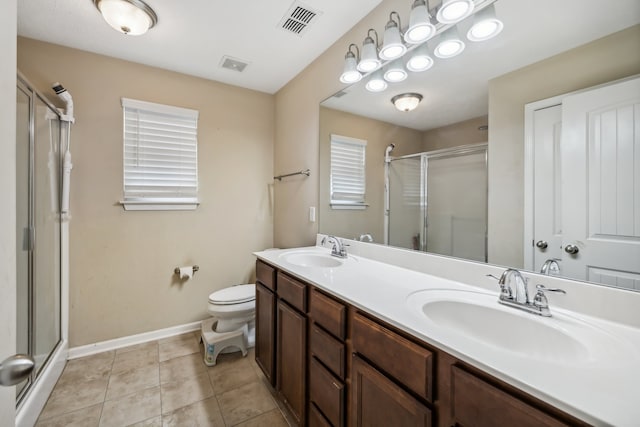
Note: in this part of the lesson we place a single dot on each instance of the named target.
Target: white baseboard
(114, 344)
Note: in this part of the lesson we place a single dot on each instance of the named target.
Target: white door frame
(8, 36)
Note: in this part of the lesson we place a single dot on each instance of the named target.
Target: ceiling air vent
(234, 64)
(298, 18)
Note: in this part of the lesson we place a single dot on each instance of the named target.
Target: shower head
(64, 95)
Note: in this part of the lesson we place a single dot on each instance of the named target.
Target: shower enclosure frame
(31, 399)
(425, 156)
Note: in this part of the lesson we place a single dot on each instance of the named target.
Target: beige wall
(610, 58)
(461, 133)
(8, 19)
(121, 263)
(378, 134)
(297, 129)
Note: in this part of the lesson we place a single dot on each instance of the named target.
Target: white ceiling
(192, 36)
(456, 89)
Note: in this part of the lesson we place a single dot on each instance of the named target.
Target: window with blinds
(160, 156)
(347, 172)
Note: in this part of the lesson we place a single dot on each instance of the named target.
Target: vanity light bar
(423, 26)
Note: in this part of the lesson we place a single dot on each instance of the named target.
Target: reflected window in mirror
(347, 177)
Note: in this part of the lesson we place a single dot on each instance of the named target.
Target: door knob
(541, 244)
(571, 249)
(15, 369)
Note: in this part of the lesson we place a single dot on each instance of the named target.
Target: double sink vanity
(353, 340)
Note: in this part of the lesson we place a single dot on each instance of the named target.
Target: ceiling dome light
(453, 11)
(395, 73)
(350, 74)
(376, 82)
(132, 17)
(420, 27)
(485, 25)
(449, 45)
(392, 46)
(369, 61)
(420, 59)
(406, 101)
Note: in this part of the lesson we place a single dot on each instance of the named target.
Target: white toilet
(233, 309)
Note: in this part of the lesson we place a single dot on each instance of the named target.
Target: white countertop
(602, 390)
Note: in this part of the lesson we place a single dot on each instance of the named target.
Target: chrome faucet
(520, 297)
(551, 267)
(366, 238)
(338, 249)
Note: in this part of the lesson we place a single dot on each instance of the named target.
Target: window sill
(349, 206)
(138, 205)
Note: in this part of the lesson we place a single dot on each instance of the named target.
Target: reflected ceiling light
(395, 72)
(420, 27)
(485, 25)
(449, 45)
(350, 74)
(376, 82)
(420, 59)
(369, 60)
(132, 17)
(392, 46)
(452, 11)
(406, 101)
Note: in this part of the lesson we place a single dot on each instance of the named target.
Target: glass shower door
(38, 231)
(407, 203)
(23, 240)
(457, 205)
(46, 222)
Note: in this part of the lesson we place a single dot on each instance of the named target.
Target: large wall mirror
(463, 174)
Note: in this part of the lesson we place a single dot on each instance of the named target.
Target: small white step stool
(215, 342)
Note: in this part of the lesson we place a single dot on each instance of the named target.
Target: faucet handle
(540, 300)
(505, 289)
(543, 288)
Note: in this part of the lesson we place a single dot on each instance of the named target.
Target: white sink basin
(312, 259)
(479, 317)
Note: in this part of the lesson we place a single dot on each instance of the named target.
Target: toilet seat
(234, 295)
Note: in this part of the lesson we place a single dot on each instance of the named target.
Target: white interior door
(547, 189)
(600, 154)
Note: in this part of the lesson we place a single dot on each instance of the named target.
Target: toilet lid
(234, 295)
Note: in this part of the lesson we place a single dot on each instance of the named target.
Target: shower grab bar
(306, 172)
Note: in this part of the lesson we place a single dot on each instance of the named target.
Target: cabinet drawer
(292, 291)
(326, 392)
(329, 313)
(266, 275)
(316, 419)
(328, 350)
(404, 360)
(478, 403)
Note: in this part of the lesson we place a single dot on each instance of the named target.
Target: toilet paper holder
(176, 270)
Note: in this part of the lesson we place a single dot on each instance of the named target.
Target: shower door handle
(15, 369)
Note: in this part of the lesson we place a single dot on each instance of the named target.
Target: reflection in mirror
(481, 97)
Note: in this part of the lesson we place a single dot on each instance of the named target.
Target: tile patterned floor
(162, 383)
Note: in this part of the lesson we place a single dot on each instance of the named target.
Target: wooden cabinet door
(378, 401)
(292, 359)
(265, 332)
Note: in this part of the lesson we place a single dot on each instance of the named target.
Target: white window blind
(160, 156)
(347, 172)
